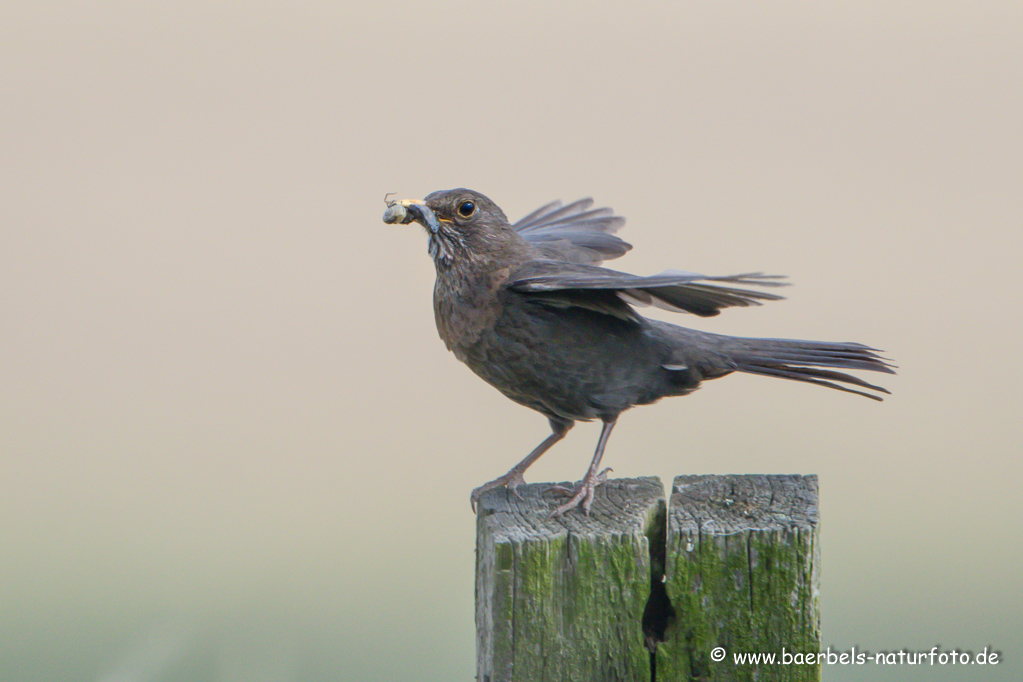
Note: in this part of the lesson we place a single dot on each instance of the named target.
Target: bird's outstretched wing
(562, 285)
(574, 233)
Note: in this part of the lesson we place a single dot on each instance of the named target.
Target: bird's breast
(465, 309)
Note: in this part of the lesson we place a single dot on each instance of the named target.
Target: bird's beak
(405, 211)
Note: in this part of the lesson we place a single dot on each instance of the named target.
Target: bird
(530, 309)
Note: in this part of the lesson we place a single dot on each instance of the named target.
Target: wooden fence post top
(723, 505)
(621, 505)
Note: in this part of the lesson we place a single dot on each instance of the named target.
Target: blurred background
(232, 446)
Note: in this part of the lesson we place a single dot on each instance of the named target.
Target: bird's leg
(513, 479)
(583, 493)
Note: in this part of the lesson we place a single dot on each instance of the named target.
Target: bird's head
(460, 224)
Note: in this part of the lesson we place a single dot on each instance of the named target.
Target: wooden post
(562, 599)
(743, 574)
(734, 563)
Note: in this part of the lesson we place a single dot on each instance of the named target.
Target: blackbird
(526, 306)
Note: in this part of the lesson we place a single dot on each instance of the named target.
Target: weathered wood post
(562, 599)
(742, 572)
(634, 593)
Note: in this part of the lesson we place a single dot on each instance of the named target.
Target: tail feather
(796, 359)
(807, 361)
(816, 376)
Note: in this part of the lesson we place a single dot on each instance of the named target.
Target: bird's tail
(809, 361)
(814, 362)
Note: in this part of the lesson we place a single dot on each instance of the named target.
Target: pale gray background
(233, 447)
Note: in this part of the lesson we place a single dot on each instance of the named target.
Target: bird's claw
(582, 495)
(511, 480)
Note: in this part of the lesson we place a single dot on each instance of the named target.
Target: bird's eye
(466, 209)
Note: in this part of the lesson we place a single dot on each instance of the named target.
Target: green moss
(577, 606)
(748, 592)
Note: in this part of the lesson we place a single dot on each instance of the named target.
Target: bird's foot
(582, 495)
(511, 480)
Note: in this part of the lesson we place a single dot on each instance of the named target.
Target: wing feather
(574, 233)
(672, 290)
